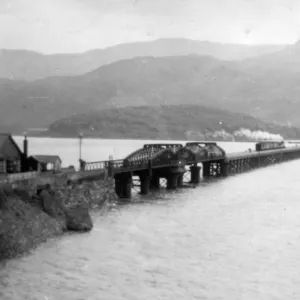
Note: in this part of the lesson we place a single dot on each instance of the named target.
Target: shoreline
(135, 139)
(31, 214)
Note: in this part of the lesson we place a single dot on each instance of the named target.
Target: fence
(10, 178)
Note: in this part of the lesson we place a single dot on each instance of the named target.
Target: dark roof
(46, 158)
(3, 139)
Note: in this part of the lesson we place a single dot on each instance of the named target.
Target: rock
(78, 218)
(23, 227)
(51, 205)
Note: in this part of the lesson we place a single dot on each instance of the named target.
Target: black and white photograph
(149, 149)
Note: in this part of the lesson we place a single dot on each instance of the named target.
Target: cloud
(79, 25)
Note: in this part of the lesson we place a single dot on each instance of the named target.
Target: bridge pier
(224, 168)
(206, 169)
(180, 180)
(195, 174)
(172, 181)
(123, 185)
(145, 184)
(155, 182)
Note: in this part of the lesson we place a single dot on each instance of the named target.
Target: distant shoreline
(135, 139)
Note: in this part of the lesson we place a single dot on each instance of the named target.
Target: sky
(72, 26)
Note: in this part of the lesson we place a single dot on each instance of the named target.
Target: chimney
(24, 162)
(25, 147)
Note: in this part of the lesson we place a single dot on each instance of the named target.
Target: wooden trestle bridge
(172, 161)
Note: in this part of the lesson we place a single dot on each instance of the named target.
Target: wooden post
(110, 169)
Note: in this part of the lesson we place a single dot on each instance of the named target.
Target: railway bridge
(171, 161)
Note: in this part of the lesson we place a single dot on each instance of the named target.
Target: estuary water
(236, 238)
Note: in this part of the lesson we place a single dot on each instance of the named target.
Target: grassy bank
(24, 224)
(29, 215)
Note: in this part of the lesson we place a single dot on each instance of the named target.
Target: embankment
(31, 213)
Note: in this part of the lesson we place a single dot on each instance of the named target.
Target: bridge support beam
(145, 184)
(172, 181)
(155, 182)
(180, 180)
(195, 174)
(206, 169)
(123, 185)
(224, 168)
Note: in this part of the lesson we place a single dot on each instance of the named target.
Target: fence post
(110, 168)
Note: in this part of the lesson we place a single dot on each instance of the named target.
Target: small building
(44, 163)
(11, 156)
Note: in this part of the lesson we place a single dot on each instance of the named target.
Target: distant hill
(134, 82)
(164, 122)
(29, 65)
(191, 79)
(286, 60)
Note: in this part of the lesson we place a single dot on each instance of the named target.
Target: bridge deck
(246, 154)
(160, 156)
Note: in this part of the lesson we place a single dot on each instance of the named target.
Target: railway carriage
(269, 145)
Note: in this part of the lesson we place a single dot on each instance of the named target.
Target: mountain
(134, 82)
(191, 79)
(164, 122)
(286, 60)
(29, 65)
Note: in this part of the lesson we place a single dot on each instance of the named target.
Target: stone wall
(94, 193)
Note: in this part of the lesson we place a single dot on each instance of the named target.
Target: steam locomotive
(269, 145)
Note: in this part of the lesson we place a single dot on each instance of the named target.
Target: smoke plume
(256, 135)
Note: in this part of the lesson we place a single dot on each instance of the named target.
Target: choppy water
(236, 238)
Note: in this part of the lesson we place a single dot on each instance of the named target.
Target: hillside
(164, 122)
(267, 93)
(188, 79)
(139, 81)
(286, 60)
(29, 65)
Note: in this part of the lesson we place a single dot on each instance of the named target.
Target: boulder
(78, 218)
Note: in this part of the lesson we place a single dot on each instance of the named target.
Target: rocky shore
(32, 213)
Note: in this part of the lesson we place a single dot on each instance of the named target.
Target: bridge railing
(131, 165)
(120, 164)
(95, 165)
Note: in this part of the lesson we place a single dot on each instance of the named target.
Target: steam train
(269, 145)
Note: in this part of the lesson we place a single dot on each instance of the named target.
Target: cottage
(11, 156)
(44, 163)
